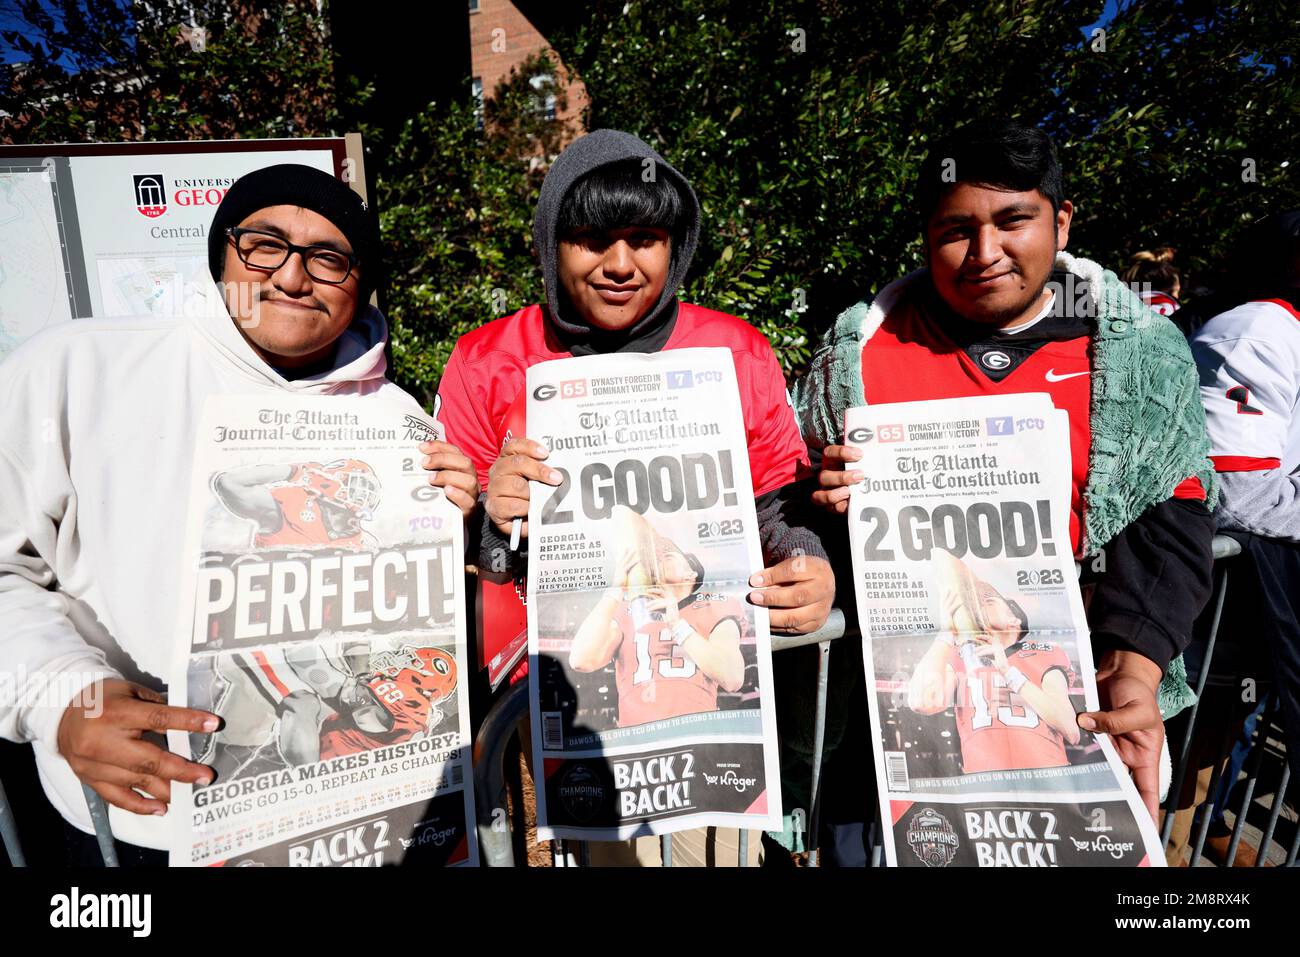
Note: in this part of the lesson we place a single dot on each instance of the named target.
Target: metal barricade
(98, 816)
(1224, 547)
(103, 831)
(9, 832)
(1203, 812)
(495, 842)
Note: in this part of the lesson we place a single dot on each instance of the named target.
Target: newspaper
(325, 624)
(976, 644)
(651, 673)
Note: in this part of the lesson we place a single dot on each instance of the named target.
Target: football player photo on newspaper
(669, 638)
(297, 705)
(989, 696)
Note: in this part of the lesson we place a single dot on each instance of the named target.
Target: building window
(476, 88)
(543, 84)
(473, 6)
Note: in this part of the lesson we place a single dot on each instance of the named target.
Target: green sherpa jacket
(1148, 434)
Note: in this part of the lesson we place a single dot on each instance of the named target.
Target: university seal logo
(150, 195)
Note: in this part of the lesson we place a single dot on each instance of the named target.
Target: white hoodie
(97, 429)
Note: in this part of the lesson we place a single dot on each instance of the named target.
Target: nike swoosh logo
(1051, 375)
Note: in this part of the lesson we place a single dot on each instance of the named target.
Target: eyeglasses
(267, 252)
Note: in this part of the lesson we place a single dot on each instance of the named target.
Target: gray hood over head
(596, 149)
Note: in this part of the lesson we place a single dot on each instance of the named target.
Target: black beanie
(292, 184)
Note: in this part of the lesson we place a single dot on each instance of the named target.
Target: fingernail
(159, 813)
(1087, 723)
(756, 579)
(855, 476)
(542, 450)
(210, 724)
(756, 597)
(553, 475)
(205, 780)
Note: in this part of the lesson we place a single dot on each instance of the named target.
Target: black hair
(1003, 154)
(617, 195)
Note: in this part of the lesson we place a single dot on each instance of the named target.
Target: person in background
(1155, 279)
(1249, 360)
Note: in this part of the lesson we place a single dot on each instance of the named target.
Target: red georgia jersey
(482, 401)
(407, 694)
(938, 369)
(998, 730)
(338, 738)
(486, 373)
(301, 522)
(656, 679)
(1161, 303)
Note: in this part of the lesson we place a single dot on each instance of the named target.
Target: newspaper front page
(651, 675)
(325, 624)
(975, 642)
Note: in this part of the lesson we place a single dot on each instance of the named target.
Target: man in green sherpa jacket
(1002, 309)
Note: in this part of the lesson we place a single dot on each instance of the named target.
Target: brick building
(502, 34)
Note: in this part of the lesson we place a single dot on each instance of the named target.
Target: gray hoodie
(786, 521)
(597, 149)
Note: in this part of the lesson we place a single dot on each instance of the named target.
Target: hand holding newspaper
(975, 643)
(651, 674)
(324, 622)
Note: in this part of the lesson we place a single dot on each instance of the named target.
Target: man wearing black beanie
(297, 254)
(96, 447)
